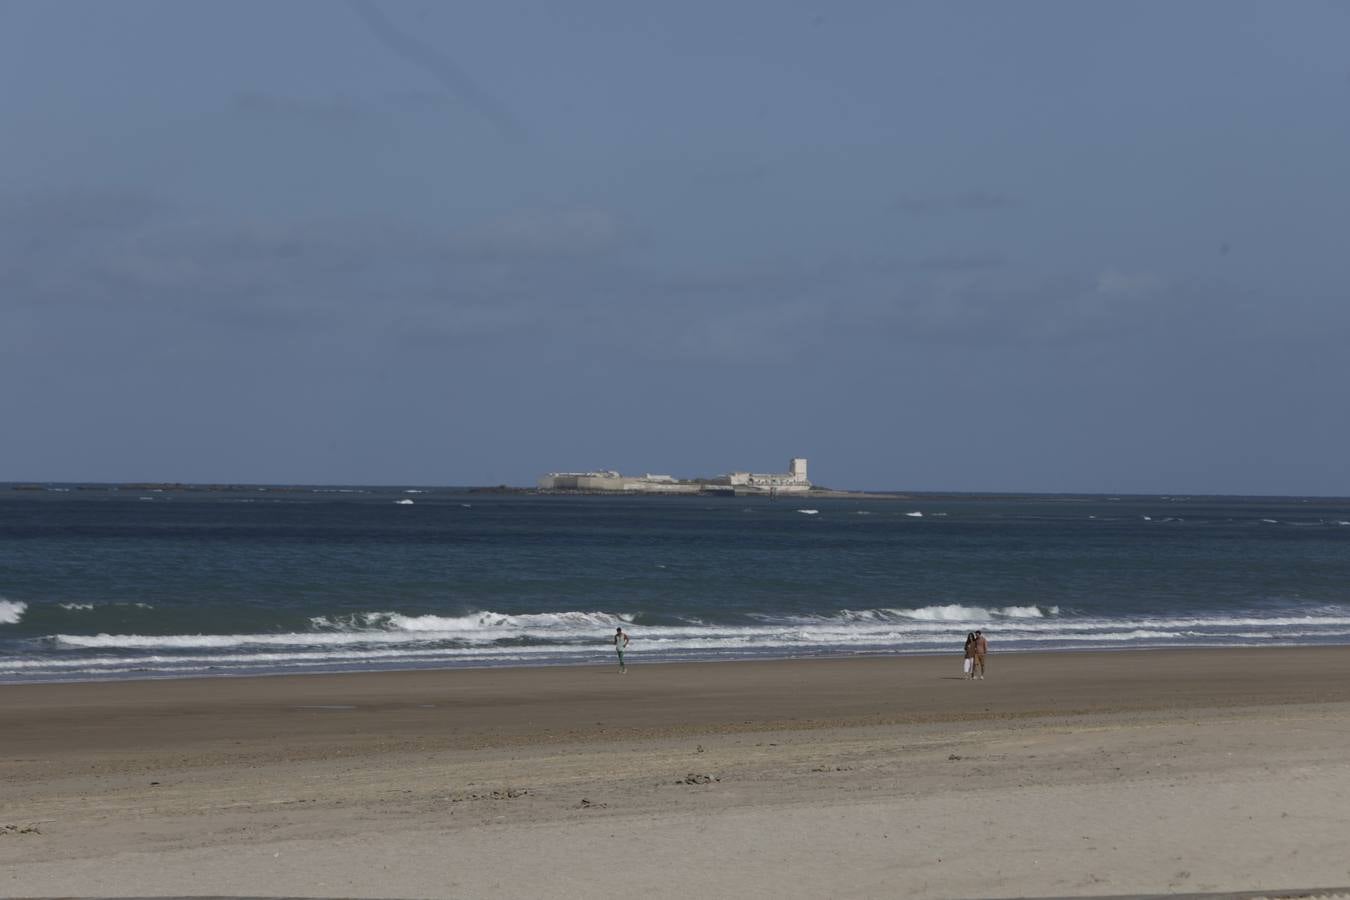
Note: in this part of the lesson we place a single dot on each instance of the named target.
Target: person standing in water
(620, 644)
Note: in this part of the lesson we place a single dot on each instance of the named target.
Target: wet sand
(1067, 774)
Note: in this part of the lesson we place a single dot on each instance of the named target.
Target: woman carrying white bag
(968, 666)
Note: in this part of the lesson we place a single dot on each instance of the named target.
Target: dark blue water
(128, 583)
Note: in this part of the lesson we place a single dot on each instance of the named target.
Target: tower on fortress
(793, 480)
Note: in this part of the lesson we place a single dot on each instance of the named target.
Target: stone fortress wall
(792, 481)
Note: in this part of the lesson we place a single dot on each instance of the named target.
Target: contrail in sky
(425, 56)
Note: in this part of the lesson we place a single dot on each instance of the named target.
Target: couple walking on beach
(976, 648)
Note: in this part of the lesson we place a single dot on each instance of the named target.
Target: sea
(101, 582)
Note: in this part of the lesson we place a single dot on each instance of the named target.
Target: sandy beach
(1069, 774)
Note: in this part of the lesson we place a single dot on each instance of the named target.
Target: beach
(1061, 774)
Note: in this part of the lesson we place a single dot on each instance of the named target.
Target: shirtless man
(981, 648)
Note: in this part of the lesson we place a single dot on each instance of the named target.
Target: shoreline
(605, 660)
(836, 688)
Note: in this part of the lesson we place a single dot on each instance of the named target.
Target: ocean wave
(575, 621)
(393, 621)
(560, 632)
(956, 613)
(389, 628)
(648, 645)
(388, 638)
(169, 655)
(80, 606)
(11, 611)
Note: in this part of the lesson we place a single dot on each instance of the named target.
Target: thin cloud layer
(928, 249)
(970, 201)
(440, 66)
(567, 272)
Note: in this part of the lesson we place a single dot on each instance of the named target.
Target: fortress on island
(793, 481)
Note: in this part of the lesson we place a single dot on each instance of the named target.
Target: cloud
(972, 201)
(1113, 283)
(73, 213)
(567, 283)
(962, 262)
(568, 231)
(268, 109)
(441, 67)
(139, 266)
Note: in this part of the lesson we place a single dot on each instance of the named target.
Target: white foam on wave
(86, 607)
(1027, 612)
(901, 626)
(479, 621)
(387, 628)
(857, 633)
(11, 611)
(387, 638)
(955, 613)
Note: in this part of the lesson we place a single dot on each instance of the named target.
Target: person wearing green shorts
(620, 644)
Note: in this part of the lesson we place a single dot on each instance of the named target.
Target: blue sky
(937, 246)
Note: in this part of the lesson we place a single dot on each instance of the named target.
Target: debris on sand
(508, 794)
(695, 778)
(19, 829)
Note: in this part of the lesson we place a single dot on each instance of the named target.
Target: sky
(1035, 246)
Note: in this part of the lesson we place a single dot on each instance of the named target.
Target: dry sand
(1070, 774)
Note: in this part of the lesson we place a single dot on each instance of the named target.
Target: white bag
(967, 665)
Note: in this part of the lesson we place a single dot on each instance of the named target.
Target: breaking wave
(11, 611)
(390, 639)
(955, 613)
(392, 621)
